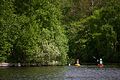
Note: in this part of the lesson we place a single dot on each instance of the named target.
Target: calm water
(59, 73)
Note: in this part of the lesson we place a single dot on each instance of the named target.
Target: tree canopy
(31, 31)
(47, 31)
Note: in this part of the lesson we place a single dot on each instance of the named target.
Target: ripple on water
(60, 73)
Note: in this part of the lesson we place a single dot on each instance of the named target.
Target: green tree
(31, 31)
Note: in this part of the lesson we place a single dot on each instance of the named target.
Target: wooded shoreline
(59, 31)
(18, 64)
(26, 64)
(39, 64)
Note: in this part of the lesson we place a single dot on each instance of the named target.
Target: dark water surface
(60, 73)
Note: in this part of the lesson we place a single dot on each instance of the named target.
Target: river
(59, 73)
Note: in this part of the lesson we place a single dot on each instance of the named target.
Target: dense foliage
(31, 31)
(54, 31)
(96, 35)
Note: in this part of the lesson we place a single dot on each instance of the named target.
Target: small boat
(78, 65)
(100, 65)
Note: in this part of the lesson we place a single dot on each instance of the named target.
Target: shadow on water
(60, 73)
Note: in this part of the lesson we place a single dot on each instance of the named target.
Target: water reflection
(30, 73)
(59, 73)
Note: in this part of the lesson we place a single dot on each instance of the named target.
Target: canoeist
(77, 64)
(101, 63)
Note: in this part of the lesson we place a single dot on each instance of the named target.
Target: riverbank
(20, 64)
(39, 64)
(53, 63)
